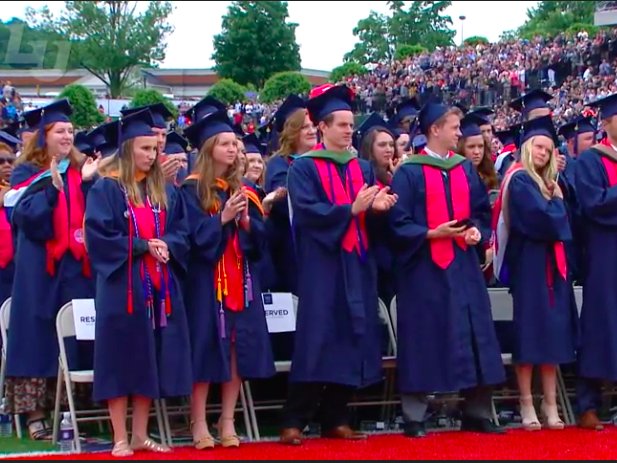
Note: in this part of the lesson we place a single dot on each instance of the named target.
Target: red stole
(442, 249)
(609, 166)
(68, 217)
(6, 240)
(356, 237)
(146, 227)
(229, 275)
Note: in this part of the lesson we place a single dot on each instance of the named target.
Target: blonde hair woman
(49, 186)
(136, 233)
(228, 330)
(535, 260)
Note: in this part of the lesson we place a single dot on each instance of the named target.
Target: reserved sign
(280, 312)
(84, 317)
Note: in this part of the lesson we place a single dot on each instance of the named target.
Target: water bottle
(67, 434)
(6, 423)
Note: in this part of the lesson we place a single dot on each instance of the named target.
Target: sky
(324, 32)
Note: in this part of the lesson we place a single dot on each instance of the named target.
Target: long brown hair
(33, 154)
(122, 167)
(486, 168)
(366, 152)
(206, 181)
(291, 133)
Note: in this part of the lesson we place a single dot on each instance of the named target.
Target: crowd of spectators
(576, 70)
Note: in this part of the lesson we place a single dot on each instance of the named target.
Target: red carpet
(570, 444)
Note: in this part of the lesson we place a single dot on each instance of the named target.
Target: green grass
(15, 445)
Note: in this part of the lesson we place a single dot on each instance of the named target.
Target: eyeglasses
(8, 161)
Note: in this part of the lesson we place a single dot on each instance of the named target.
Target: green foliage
(148, 96)
(282, 84)
(578, 27)
(350, 68)
(23, 47)
(110, 39)
(404, 51)
(256, 42)
(508, 36)
(85, 112)
(422, 23)
(550, 18)
(227, 91)
(476, 40)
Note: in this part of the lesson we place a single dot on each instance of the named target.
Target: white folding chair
(503, 310)
(65, 328)
(281, 366)
(5, 317)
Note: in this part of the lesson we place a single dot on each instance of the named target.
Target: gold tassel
(219, 297)
(224, 277)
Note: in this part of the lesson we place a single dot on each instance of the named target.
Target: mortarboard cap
(406, 108)
(206, 106)
(470, 125)
(104, 138)
(429, 114)
(160, 114)
(535, 99)
(291, 104)
(508, 136)
(211, 125)
(82, 143)
(58, 111)
(606, 105)
(327, 99)
(175, 143)
(418, 142)
(482, 112)
(133, 125)
(374, 120)
(539, 126)
(9, 140)
(252, 144)
(576, 127)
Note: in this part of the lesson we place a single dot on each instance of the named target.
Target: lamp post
(462, 18)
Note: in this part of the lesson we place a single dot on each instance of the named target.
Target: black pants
(328, 400)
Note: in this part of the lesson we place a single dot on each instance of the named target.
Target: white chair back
(5, 317)
(501, 304)
(393, 316)
(385, 319)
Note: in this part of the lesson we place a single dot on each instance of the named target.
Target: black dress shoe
(415, 429)
(483, 425)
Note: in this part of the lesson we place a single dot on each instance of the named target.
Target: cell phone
(467, 223)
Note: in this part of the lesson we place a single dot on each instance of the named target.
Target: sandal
(231, 440)
(150, 446)
(121, 449)
(39, 429)
(205, 442)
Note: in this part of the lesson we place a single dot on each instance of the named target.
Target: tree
(404, 51)
(550, 18)
(26, 48)
(282, 84)
(227, 91)
(345, 70)
(422, 23)
(85, 112)
(476, 40)
(148, 96)
(110, 39)
(256, 42)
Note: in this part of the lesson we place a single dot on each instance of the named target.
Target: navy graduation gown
(130, 357)
(278, 228)
(545, 320)
(598, 200)
(37, 297)
(264, 266)
(210, 352)
(446, 336)
(334, 287)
